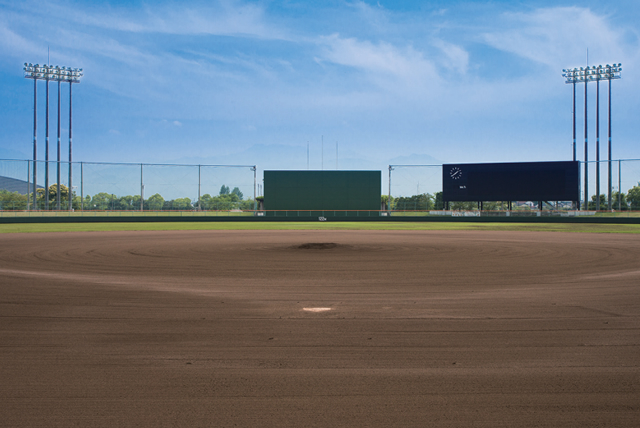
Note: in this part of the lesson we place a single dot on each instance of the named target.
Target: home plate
(316, 309)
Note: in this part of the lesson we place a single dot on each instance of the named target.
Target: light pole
(59, 74)
(586, 75)
(46, 149)
(598, 141)
(34, 72)
(614, 73)
(58, 163)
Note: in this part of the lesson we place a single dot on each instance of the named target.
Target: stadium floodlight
(586, 75)
(59, 74)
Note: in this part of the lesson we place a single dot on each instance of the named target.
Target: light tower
(586, 75)
(60, 74)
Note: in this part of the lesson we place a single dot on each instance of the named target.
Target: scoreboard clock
(455, 173)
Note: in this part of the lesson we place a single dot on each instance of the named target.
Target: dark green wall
(322, 190)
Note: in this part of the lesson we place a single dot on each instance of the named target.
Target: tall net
(125, 187)
(414, 187)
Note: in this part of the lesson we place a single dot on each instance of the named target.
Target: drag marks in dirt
(198, 328)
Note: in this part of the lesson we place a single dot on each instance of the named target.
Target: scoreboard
(520, 181)
(322, 190)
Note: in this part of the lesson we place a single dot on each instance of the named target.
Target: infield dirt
(224, 328)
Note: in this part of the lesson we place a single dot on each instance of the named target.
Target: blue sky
(238, 82)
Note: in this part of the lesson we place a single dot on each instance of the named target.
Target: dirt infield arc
(320, 328)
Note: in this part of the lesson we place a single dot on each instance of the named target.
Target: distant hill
(15, 185)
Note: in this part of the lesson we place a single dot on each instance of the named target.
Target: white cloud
(223, 17)
(14, 43)
(456, 57)
(374, 16)
(378, 60)
(558, 37)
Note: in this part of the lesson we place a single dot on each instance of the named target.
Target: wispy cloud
(10, 41)
(455, 56)
(558, 36)
(379, 60)
(222, 17)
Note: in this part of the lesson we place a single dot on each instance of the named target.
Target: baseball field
(320, 325)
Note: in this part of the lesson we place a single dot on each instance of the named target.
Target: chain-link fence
(419, 187)
(94, 186)
(212, 189)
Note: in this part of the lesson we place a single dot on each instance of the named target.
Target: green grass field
(135, 226)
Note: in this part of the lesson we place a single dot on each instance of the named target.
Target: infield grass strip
(135, 226)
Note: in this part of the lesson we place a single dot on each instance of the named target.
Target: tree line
(233, 199)
(226, 200)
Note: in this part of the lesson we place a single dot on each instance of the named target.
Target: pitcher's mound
(318, 246)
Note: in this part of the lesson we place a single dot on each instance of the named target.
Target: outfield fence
(99, 186)
(122, 189)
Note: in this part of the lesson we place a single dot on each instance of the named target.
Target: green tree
(633, 197)
(77, 202)
(205, 201)
(87, 202)
(236, 191)
(490, 206)
(12, 201)
(156, 202)
(415, 203)
(384, 199)
(103, 201)
(128, 203)
(619, 199)
(438, 201)
(53, 192)
(603, 202)
(246, 205)
(463, 206)
(180, 204)
(226, 202)
(224, 190)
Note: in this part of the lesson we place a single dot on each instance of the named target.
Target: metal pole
(619, 185)
(70, 151)
(255, 180)
(574, 131)
(141, 190)
(609, 148)
(389, 197)
(586, 152)
(199, 176)
(81, 186)
(46, 150)
(574, 120)
(28, 183)
(35, 141)
(58, 177)
(598, 143)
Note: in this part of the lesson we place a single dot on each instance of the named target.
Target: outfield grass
(135, 226)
